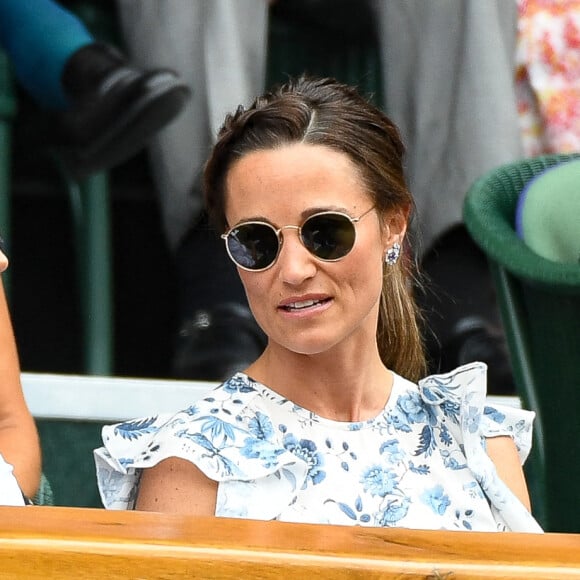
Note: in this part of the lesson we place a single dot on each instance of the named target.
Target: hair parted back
(322, 111)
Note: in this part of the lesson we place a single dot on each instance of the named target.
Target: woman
(327, 426)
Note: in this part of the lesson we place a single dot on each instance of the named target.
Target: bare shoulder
(504, 454)
(175, 485)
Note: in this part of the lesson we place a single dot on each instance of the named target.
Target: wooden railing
(65, 543)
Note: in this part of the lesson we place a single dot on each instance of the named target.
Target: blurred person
(449, 83)
(218, 47)
(548, 75)
(100, 109)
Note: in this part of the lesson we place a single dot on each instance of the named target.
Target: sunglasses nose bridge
(281, 236)
(289, 227)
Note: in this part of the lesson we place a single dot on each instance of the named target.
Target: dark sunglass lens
(253, 246)
(328, 236)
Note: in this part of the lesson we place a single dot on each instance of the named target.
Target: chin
(309, 347)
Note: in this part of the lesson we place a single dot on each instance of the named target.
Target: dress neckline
(276, 401)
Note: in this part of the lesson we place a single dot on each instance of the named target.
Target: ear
(395, 225)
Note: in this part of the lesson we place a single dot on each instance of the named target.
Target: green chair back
(68, 464)
(540, 306)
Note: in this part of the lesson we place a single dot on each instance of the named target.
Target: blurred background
(44, 285)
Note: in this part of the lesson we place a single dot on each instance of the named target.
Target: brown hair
(326, 112)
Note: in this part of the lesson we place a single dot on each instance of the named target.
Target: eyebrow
(303, 216)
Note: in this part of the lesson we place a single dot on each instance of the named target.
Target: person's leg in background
(219, 48)
(40, 36)
(103, 109)
(449, 72)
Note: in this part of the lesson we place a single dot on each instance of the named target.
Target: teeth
(304, 304)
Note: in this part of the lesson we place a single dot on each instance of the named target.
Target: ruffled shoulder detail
(225, 434)
(459, 397)
(462, 395)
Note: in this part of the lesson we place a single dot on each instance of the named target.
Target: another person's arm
(176, 486)
(19, 444)
(503, 453)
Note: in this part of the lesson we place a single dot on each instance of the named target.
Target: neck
(341, 388)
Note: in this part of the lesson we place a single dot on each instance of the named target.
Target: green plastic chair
(67, 449)
(540, 307)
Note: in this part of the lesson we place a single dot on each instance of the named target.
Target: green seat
(67, 449)
(540, 307)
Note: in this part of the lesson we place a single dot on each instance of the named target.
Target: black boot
(461, 311)
(474, 339)
(116, 108)
(216, 343)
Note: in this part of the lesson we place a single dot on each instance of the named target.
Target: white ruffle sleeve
(234, 450)
(465, 388)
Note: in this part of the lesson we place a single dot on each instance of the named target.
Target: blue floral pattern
(421, 463)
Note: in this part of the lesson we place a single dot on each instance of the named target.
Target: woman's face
(302, 303)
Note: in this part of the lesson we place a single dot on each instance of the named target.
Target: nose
(295, 263)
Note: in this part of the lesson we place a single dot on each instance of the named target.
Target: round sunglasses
(328, 235)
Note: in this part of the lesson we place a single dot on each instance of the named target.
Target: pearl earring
(393, 253)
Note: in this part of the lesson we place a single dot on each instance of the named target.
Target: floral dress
(420, 463)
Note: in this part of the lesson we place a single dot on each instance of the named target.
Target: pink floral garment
(548, 75)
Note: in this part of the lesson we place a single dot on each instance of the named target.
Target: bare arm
(503, 453)
(19, 443)
(177, 486)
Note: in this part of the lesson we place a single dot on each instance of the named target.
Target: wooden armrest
(55, 542)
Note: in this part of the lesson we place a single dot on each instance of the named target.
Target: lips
(299, 305)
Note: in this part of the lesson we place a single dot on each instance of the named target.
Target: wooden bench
(62, 543)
